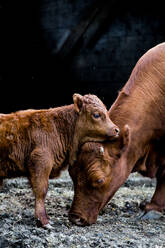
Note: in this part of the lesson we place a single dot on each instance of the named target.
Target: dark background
(33, 75)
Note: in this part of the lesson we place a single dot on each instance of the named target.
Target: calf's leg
(40, 166)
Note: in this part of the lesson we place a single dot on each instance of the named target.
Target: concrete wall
(101, 68)
(104, 67)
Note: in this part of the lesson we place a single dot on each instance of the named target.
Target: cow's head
(93, 122)
(99, 171)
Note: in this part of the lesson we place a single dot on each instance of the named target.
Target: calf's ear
(78, 102)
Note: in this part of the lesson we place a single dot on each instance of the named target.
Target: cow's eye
(100, 181)
(96, 115)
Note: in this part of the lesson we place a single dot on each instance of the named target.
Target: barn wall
(101, 67)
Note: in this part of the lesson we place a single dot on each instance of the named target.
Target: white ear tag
(102, 149)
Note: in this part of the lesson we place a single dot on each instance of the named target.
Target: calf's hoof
(46, 225)
(150, 215)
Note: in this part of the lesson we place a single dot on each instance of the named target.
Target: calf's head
(93, 122)
(99, 171)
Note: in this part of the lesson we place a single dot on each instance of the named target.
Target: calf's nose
(114, 131)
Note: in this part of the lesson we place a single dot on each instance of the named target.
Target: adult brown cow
(139, 111)
(40, 143)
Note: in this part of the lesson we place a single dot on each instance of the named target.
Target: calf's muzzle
(113, 132)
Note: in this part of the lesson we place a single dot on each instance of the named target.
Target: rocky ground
(117, 225)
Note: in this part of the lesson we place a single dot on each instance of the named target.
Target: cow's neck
(142, 114)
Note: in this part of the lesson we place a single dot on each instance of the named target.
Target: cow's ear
(78, 102)
(126, 135)
(89, 147)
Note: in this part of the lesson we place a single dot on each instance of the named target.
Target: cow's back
(149, 71)
(141, 102)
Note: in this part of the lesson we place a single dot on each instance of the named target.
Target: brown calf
(102, 168)
(40, 143)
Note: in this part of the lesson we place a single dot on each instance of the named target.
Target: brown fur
(140, 105)
(40, 143)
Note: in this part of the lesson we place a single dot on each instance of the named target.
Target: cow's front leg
(154, 209)
(40, 166)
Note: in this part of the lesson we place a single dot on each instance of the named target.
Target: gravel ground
(117, 225)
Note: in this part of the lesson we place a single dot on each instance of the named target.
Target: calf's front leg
(40, 166)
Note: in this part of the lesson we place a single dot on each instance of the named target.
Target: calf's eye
(96, 115)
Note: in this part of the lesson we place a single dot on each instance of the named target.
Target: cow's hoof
(151, 215)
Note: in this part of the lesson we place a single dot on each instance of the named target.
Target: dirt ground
(117, 225)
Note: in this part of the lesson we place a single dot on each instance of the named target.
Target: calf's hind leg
(40, 166)
(154, 209)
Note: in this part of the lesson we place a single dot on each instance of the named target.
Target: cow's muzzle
(77, 219)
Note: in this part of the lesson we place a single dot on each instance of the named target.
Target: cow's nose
(76, 219)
